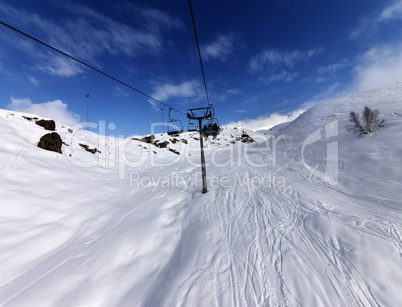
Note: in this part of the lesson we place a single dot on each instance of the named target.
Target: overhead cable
(91, 67)
(199, 52)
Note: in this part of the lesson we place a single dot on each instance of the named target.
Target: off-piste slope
(297, 218)
(367, 166)
(283, 226)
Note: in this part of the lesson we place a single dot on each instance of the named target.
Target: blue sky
(264, 61)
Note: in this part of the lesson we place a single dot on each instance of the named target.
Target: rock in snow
(51, 141)
(47, 124)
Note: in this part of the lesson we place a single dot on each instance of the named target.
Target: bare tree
(370, 123)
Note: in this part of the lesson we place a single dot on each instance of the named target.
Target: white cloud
(59, 66)
(118, 92)
(220, 49)
(33, 80)
(88, 35)
(378, 66)
(92, 34)
(222, 94)
(234, 91)
(369, 25)
(157, 19)
(394, 11)
(265, 122)
(283, 76)
(331, 68)
(274, 57)
(56, 110)
(184, 91)
(325, 73)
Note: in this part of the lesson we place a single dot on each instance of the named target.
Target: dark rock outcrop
(174, 151)
(51, 141)
(245, 138)
(151, 140)
(91, 150)
(47, 124)
(148, 139)
(161, 145)
(30, 118)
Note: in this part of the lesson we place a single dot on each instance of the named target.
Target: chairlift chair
(201, 113)
(212, 128)
(208, 113)
(174, 126)
(192, 126)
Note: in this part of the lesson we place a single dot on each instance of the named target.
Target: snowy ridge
(297, 218)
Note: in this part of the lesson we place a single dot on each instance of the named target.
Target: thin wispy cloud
(222, 95)
(394, 11)
(4, 71)
(284, 76)
(378, 66)
(369, 25)
(59, 66)
(366, 27)
(277, 58)
(331, 68)
(88, 38)
(159, 20)
(327, 72)
(220, 49)
(280, 66)
(265, 122)
(234, 91)
(118, 92)
(103, 34)
(32, 80)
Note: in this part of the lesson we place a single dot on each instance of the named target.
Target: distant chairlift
(192, 126)
(211, 128)
(174, 126)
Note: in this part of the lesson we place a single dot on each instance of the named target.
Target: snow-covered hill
(307, 215)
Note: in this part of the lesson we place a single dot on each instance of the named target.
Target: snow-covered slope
(369, 167)
(307, 216)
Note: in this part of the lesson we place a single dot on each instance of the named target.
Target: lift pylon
(200, 114)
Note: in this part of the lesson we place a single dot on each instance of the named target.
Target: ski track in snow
(13, 160)
(242, 264)
(90, 232)
(250, 261)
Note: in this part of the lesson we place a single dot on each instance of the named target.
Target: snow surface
(307, 216)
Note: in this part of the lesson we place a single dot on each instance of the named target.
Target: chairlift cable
(199, 52)
(91, 67)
